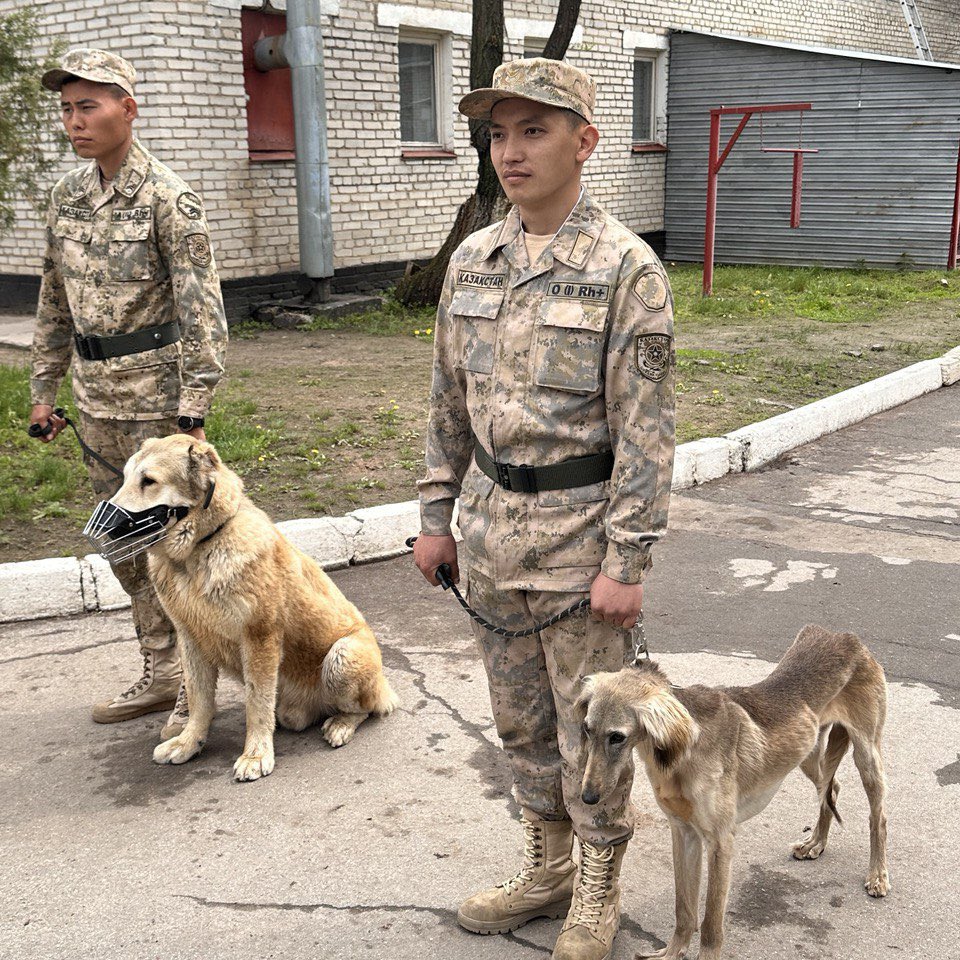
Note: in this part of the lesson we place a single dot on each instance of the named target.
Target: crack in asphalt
(66, 651)
(444, 914)
(247, 906)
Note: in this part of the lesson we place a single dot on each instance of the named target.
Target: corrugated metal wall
(881, 187)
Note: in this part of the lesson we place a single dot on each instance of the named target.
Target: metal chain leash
(445, 578)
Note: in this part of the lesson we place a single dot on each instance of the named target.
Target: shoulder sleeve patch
(189, 205)
(198, 249)
(653, 355)
(650, 289)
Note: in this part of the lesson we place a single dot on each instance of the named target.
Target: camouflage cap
(543, 81)
(89, 64)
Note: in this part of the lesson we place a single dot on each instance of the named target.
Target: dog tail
(385, 701)
(836, 748)
(669, 725)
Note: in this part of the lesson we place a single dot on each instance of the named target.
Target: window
(533, 46)
(419, 62)
(644, 99)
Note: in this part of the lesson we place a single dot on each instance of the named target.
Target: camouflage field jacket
(570, 356)
(135, 256)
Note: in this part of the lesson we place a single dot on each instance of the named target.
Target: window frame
(440, 42)
(652, 57)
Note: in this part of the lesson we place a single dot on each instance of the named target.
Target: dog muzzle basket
(120, 535)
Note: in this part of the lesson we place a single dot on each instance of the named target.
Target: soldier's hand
(430, 552)
(197, 433)
(615, 602)
(42, 413)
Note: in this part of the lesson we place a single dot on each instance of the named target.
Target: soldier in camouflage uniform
(130, 301)
(554, 346)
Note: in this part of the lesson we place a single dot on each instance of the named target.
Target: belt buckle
(80, 343)
(503, 475)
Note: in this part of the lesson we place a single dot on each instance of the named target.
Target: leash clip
(638, 638)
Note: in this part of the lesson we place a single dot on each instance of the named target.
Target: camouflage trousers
(534, 683)
(116, 441)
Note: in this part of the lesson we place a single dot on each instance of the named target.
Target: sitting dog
(716, 756)
(246, 601)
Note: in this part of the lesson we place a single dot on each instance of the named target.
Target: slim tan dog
(716, 757)
(244, 600)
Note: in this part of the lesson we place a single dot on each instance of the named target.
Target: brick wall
(387, 209)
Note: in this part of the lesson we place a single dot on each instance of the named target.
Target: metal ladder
(915, 25)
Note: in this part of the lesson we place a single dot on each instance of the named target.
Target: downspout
(301, 49)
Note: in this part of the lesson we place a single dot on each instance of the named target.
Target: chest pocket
(74, 237)
(568, 345)
(476, 318)
(131, 254)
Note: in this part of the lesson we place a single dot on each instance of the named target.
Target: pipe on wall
(301, 49)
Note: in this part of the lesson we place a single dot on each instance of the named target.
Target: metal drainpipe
(301, 49)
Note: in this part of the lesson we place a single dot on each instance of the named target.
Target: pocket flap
(73, 230)
(131, 230)
(472, 303)
(573, 314)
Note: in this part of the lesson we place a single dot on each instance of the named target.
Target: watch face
(185, 423)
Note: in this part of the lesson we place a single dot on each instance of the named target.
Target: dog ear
(587, 687)
(202, 455)
(669, 724)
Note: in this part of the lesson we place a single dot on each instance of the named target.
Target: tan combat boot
(178, 718)
(155, 690)
(542, 888)
(594, 916)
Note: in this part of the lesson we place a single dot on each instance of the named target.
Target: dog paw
(878, 885)
(338, 731)
(253, 767)
(808, 849)
(177, 750)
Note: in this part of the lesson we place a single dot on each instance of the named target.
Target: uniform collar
(129, 179)
(572, 245)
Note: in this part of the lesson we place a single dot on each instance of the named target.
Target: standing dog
(246, 601)
(716, 757)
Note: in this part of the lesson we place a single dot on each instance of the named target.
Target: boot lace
(146, 678)
(181, 709)
(595, 882)
(532, 856)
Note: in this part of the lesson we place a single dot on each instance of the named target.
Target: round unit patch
(189, 205)
(651, 290)
(198, 246)
(653, 355)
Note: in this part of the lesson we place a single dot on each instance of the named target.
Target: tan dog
(246, 601)
(716, 757)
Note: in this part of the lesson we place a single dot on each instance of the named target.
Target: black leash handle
(444, 575)
(37, 430)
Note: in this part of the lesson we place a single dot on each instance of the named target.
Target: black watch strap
(189, 423)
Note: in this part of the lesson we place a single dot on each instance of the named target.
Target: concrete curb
(65, 586)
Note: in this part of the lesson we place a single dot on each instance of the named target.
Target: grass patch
(390, 320)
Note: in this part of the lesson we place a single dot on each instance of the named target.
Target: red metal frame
(955, 226)
(717, 160)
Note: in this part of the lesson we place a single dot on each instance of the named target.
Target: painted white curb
(62, 587)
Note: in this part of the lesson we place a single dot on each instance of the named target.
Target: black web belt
(577, 472)
(103, 348)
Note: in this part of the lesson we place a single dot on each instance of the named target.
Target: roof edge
(828, 51)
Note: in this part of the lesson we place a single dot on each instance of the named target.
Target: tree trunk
(487, 204)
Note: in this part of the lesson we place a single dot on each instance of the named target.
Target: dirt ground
(337, 417)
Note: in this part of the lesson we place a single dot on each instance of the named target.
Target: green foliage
(30, 145)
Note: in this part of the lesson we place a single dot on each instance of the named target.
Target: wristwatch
(187, 424)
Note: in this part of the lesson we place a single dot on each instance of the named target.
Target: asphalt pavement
(366, 851)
